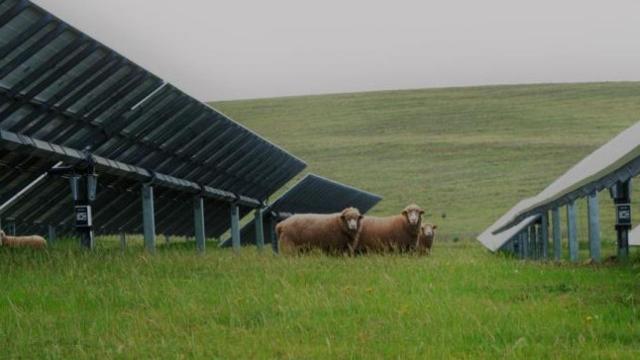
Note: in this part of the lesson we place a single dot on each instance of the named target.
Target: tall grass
(460, 302)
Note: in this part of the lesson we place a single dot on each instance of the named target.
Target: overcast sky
(231, 49)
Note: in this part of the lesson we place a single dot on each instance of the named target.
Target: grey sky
(229, 49)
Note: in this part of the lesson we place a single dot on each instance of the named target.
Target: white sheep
(32, 241)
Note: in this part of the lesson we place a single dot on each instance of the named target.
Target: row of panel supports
(533, 241)
(199, 224)
(149, 225)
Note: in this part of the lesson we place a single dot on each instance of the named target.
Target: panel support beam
(572, 231)
(123, 241)
(621, 194)
(259, 228)
(235, 226)
(52, 234)
(525, 243)
(198, 214)
(533, 240)
(594, 227)
(521, 245)
(544, 235)
(148, 216)
(557, 236)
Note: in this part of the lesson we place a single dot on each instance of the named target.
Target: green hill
(469, 153)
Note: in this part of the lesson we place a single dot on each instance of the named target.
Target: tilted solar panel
(59, 85)
(616, 161)
(312, 194)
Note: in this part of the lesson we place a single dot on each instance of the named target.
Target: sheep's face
(429, 230)
(413, 213)
(351, 218)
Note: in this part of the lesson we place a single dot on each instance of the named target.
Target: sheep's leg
(353, 247)
(287, 247)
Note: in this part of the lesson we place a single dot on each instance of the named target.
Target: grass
(469, 153)
(462, 302)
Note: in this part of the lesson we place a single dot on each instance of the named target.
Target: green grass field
(469, 153)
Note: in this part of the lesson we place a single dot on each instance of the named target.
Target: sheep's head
(429, 230)
(413, 213)
(351, 218)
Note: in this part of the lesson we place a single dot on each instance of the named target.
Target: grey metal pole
(525, 247)
(594, 227)
(557, 235)
(544, 235)
(533, 239)
(198, 213)
(572, 231)
(621, 194)
(52, 234)
(235, 226)
(521, 245)
(123, 241)
(259, 229)
(148, 216)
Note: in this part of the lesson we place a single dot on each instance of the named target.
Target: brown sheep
(32, 241)
(331, 233)
(425, 239)
(392, 233)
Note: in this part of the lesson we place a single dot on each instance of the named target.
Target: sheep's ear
(360, 217)
(434, 227)
(421, 212)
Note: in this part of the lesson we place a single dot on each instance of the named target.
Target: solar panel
(59, 85)
(495, 242)
(614, 162)
(312, 194)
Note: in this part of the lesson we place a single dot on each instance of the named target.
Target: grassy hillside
(471, 153)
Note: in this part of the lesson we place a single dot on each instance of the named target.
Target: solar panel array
(312, 194)
(616, 161)
(60, 86)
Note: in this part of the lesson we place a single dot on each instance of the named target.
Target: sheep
(392, 233)
(32, 241)
(425, 239)
(332, 233)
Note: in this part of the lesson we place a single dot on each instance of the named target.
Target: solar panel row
(610, 166)
(62, 87)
